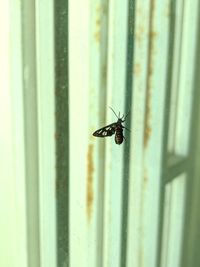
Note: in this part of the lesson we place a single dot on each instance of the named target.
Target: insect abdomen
(119, 135)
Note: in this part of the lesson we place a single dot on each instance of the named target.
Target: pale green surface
(113, 206)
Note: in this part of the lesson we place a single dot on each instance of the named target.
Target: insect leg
(126, 128)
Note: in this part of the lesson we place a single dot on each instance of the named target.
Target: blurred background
(69, 198)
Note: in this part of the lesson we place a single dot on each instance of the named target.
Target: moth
(113, 128)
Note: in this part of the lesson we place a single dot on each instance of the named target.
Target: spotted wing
(105, 131)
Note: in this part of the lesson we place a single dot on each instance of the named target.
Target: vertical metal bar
(12, 171)
(176, 31)
(128, 108)
(96, 148)
(140, 61)
(168, 113)
(80, 154)
(62, 130)
(186, 77)
(17, 101)
(190, 244)
(173, 222)
(117, 45)
(46, 130)
(31, 131)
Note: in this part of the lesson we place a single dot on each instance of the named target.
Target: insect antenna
(126, 115)
(114, 112)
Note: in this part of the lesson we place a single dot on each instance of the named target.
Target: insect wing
(105, 131)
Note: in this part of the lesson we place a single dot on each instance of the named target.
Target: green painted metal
(76, 200)
(62, 130)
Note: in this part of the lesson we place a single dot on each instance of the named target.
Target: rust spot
(147, 118)
(153, 34)
(141, 256)
(145, 179)
(140, 33)
(97, 33)
(104, 75)
(167, 10)
(90, 193)
(57, 135)
(137, 69)
(152, 37)
(101, 12)
(97, 36)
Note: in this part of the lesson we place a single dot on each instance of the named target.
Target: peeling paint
(89, 191)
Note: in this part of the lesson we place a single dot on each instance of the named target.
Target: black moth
(113, 128)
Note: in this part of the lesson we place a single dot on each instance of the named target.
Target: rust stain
(57, 135)
(142, 234)
(152, 50)
(137, 69)
(168, 10)
(140, 34)
(97, 33)
(104, 75)
(97, 36)
(141, 256)
(145, 179)
(89, 192)
(147, 118)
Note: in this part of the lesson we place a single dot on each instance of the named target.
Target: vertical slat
(178, 11)
(88, 66)
(46, 130)
(166, 225)
(186, 88)
(96, 148)
(12, 169)
(117, 43)
(79, 14)
(31, 130)
(62, 130)
(173, 222)
(141, 44)
(146, 154)
(18, 131)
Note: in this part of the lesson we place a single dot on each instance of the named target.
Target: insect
(113, 128)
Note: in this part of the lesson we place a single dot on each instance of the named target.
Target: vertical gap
(166, 124)
(128, 106)
(62, 131)
(188, 223)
